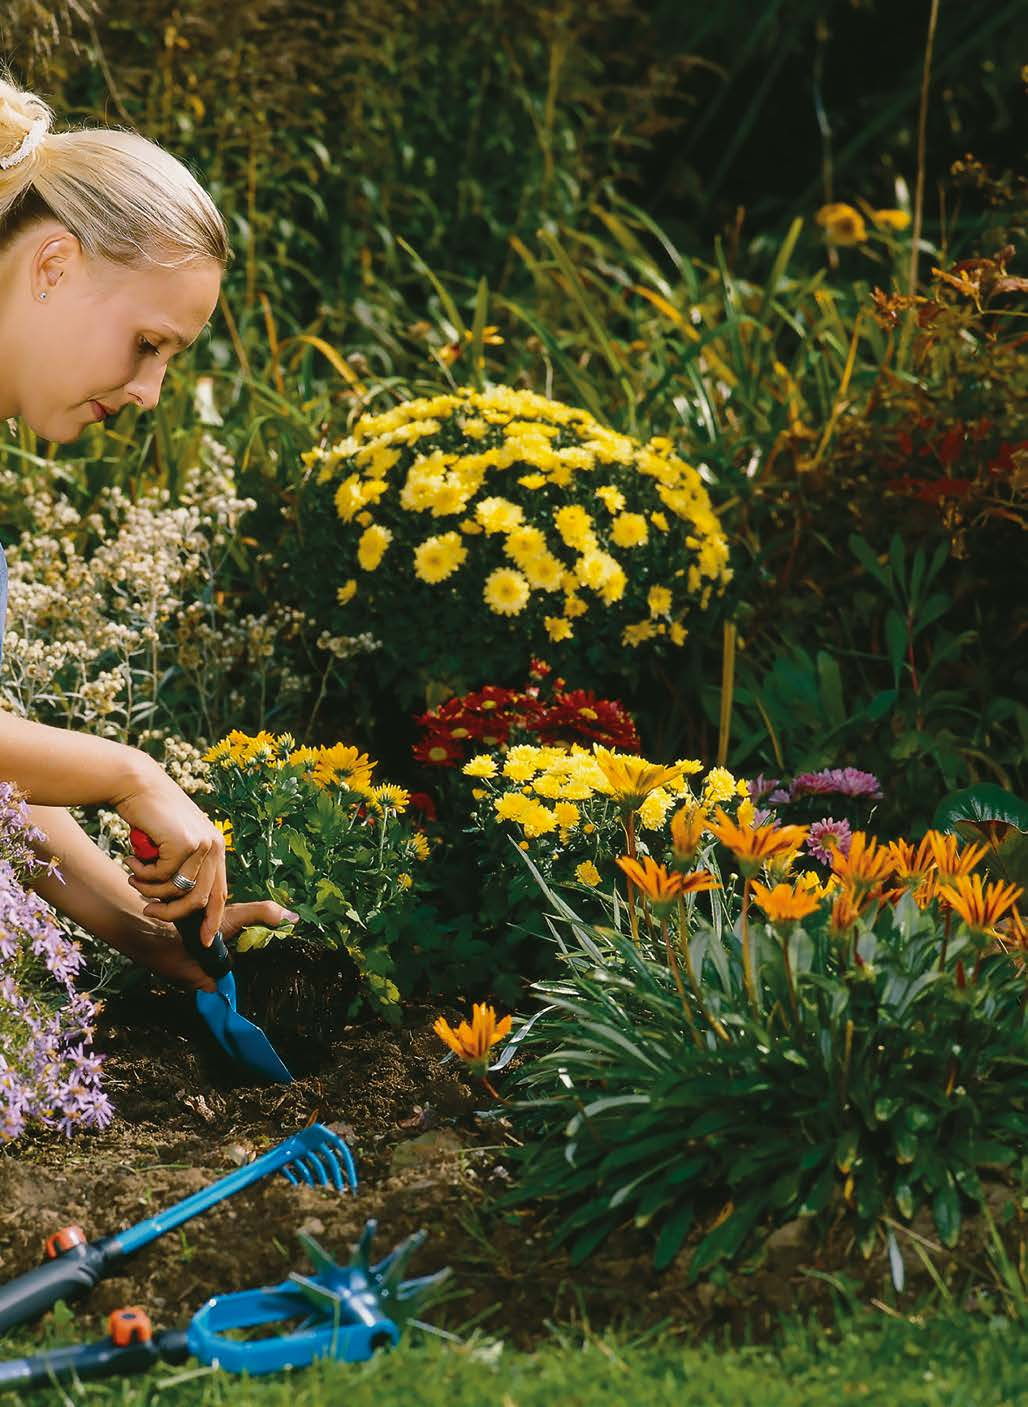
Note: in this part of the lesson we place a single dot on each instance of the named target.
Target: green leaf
(672, 1234)
(946, 1211)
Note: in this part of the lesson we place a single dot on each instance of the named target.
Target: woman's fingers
(210, 892)
(263, 911)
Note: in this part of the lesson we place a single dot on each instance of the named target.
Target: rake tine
(316, 1168)
(334, 1142)
(287, 1172)
(302, 1171)
(328, 1153)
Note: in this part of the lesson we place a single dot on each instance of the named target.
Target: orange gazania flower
(845, 912)
(753, 846)
(687, 827)
(952, 862)
(631, 779)
(980, 906)
(785, 901)
(662, 886)
(473, 1043)
(866, 866)
(914, 867)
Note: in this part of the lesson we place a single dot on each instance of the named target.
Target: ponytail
(126, 199)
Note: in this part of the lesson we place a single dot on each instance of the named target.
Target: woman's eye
(146, 346)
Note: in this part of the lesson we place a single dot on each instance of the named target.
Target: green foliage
(869, 1076)
(309, 830)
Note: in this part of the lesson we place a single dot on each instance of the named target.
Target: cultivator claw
(341, 1312)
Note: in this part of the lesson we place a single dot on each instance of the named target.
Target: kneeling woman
(111, 260)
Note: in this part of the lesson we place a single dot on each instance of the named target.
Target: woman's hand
(190, 846)
(168, 956)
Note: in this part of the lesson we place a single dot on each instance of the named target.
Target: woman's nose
(146, 387)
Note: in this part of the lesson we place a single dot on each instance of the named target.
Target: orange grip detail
(130, 1325)
(64, 1240)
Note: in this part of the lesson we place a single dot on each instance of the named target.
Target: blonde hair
(125, 198)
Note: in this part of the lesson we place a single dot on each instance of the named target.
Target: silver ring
(181, 882)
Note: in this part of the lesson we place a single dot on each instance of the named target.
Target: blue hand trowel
(246, 1043)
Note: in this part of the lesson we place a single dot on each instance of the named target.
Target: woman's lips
(100, 411)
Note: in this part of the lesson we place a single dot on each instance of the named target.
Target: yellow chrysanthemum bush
(310, 827)
(473, 529)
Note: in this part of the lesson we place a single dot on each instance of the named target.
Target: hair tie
(31, 140)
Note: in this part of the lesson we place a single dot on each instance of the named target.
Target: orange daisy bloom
(914, 868)
(952, 862)
(473, 1043)
(687, 827)
(662, 886)
(866, 866)
(980, 906)
(785, 901)
(753, 846)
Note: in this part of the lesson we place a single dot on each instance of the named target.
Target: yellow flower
(567, 814)
(677, 633)
(506, 591)
(587, 873)
(841, 223)
(718, 785)
(635, 635)
(480, 766)
(346, 592)
(891, 219)
(574, 606)
(980, 908)
(349, 497)
(419, 844)
(512, 806)
(544, 573)
(951, 860)
(473, 1043)
(631, 779)
(659, 521)
(532, 481)
(498, 515)
(785, 902)
(439, 557)
(628, 530)
(575, 527)
(658, 598)
(558, 629)
(653, 811)
(404, 880)
(388, 794)
(611, 498)
(226, 829)
(372, 546)
(866, 865)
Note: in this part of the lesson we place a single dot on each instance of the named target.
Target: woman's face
(104, 334)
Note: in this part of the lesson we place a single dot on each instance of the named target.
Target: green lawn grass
(947, 1360)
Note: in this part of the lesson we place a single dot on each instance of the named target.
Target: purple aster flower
(844, 781)
(760, 786)
(825, 834)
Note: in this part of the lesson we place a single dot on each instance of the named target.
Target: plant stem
(789, 979)
(922, 124)
(673, 964)
(690, 971)
(747, 951)
(629, 824)
(945, 940)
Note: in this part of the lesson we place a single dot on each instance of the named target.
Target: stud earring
(42, 297)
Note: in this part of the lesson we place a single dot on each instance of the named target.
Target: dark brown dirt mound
(425, 1159)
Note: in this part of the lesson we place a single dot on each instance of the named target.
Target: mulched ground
(425, 1159)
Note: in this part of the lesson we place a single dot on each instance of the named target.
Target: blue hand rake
(315, 1156)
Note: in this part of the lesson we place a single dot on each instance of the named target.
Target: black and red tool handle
(73, 1267)
(131, 1347)
(216, 960)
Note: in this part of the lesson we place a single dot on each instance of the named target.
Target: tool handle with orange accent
(215, 960)
(70, 1273)
(122, 1352)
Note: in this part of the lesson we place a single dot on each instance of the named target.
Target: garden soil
(426, 1159)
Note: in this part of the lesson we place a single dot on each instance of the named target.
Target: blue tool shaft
(146, 1231)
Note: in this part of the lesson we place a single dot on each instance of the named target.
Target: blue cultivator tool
(315, 1156)
(245, 1043)
(345, 1313)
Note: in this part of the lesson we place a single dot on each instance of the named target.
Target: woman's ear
(59, 252)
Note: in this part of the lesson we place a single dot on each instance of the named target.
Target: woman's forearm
(56, 767)
(94, 890)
